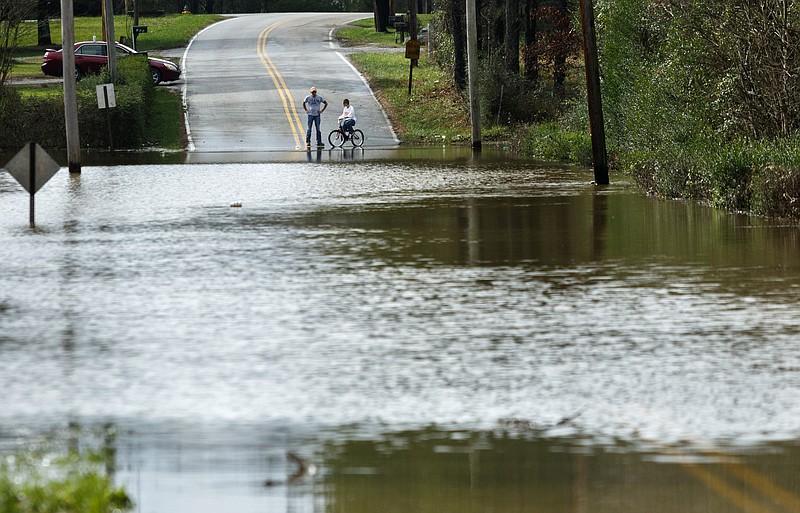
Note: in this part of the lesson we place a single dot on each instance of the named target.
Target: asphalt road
(246, 77)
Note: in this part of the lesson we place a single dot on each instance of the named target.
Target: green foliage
(133, 92)
(549, 141)
(507, 98)
(41, 118)
(694, 102)
(38, 480)
(38, 119)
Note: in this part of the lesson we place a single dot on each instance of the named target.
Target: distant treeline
(150, 7)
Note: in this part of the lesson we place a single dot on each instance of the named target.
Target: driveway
(246, 77)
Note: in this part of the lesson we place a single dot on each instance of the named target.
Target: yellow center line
(740, 484)
(732, 494)
(280, 86)
(777, 494)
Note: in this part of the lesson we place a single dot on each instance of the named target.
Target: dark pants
(313, 120)
(347, 125)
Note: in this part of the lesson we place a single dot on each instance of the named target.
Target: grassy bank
(168, 31)
(663, 141)
(434, 112)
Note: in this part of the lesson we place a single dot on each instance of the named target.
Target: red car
(92, 56)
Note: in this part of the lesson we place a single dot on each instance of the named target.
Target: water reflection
(343, 300)
(475, 472)
(507, 469)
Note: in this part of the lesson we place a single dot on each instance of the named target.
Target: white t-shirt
(348, 113)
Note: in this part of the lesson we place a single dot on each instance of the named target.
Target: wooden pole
(103, 35)
(108, 24)
(70, 87)
(472, 73)
(598, 134)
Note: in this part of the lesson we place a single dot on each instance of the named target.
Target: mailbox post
(138, 29)
(412, 53)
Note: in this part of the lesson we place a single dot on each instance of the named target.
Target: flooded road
(435, 335)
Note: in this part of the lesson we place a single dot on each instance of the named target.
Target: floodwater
(436, 333)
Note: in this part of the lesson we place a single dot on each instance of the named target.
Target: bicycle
(338, 137)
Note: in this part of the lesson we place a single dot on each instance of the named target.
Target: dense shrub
(23, 120)
(41, 119)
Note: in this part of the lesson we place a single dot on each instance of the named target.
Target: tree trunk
(459, 44)
(497, 29)
(380, 11)
(530, 56)
(43, 18)
(562, 50)
(512, 36)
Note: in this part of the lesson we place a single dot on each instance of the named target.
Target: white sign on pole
(105, 96)
(20, 168)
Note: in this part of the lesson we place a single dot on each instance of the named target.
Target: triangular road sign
(20, 167)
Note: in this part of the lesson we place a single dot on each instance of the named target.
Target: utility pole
(472, 73)
(70, 87)
(111, 47)
(596, 128)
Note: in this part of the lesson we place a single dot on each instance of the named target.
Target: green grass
(165, 125)
(54, 89)
(434, 112)
(169, 31)
(27, 67)
(362, 32)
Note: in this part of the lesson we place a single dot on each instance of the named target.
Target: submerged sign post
(32, 167)
(106, 99)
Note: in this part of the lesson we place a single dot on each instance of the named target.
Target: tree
(562, 46)
(12, 14)
(380, 11)
(512, 36)
(43, 22)
(530, 60)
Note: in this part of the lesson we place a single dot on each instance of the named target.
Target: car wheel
(78, 73)
(156, 75)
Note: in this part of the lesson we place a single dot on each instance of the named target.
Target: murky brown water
(448, 335)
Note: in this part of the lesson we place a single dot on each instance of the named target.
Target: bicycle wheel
(335, 138)
(357, 138)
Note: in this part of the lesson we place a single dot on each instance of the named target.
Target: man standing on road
(311, 104)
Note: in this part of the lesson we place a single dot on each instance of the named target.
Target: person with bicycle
(348, 118)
